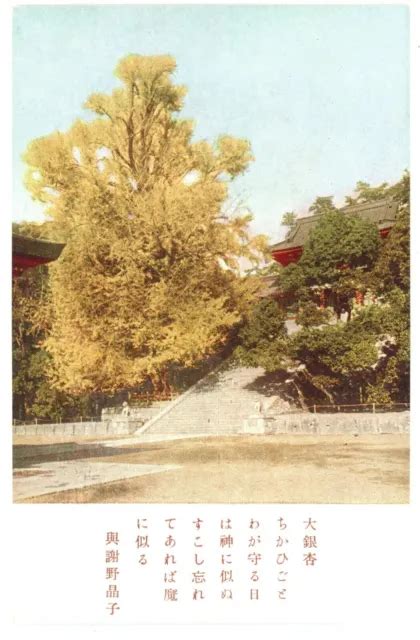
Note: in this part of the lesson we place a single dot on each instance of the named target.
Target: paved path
(49, 477)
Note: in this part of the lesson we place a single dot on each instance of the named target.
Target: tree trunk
(300, 396)
(160, 383)
(320, 387)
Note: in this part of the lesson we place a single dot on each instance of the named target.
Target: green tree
(331, 362)
(150, 273)
(364, 192)
(289, 219)
(392, 269)
(291, 283)
(322, 204)
(339, 252)
(365, 359)
(262, 338)
(336, 244)
(311, 315)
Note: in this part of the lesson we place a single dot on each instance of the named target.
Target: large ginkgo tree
(150, 275)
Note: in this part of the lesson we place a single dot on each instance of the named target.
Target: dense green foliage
(364, 360)
(322, 204)
(288, 219)
(263, 336)
(360, 357)
(340, 250)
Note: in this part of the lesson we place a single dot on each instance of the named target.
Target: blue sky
(321, 92)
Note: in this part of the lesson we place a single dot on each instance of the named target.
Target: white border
(406, 515)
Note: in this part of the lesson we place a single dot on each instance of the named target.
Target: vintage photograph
(211, 255)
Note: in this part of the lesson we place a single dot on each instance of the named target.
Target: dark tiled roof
(382, 213)
(24, 246)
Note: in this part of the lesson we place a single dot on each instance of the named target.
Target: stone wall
(292, 423)
(340, 423)
(118, 426)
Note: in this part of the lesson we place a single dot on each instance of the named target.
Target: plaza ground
(283, 469)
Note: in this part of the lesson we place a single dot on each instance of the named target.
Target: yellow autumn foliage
(150, 272)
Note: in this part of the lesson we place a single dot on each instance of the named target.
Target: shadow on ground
(257, 469)
(25, 456)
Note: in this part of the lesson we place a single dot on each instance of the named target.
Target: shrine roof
(34, 247)
(382, 213)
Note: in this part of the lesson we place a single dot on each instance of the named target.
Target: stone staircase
(217, 405)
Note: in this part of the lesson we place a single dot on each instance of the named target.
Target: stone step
(219, 404)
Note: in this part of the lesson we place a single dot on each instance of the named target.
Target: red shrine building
(382, 213)
(31, 252)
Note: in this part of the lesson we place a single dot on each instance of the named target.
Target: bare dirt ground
(252, 469)
(53, 439)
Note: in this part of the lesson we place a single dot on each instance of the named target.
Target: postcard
(208, 420)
